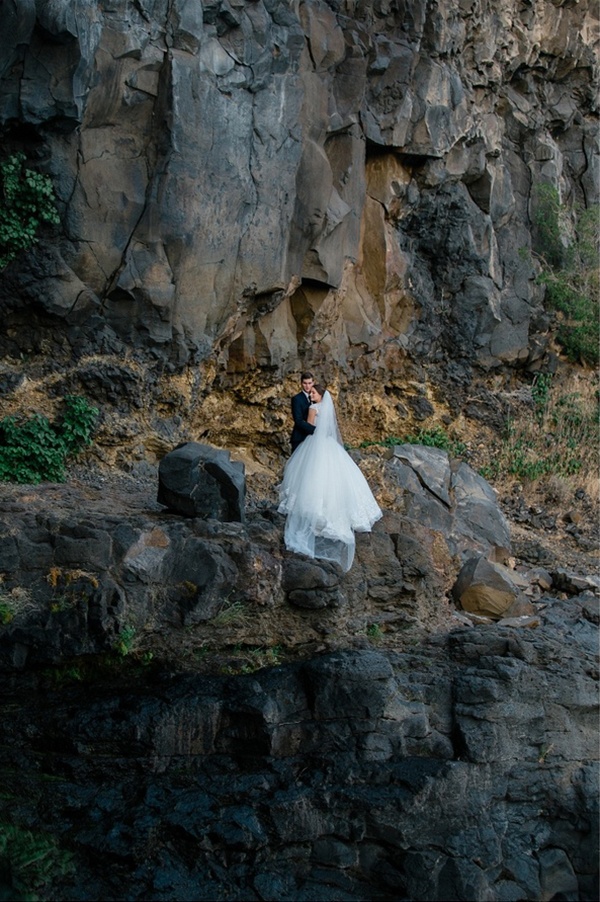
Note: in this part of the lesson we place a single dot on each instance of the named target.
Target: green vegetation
(131, 665)
(374, 632)
(33, 450)
(436, 437)
(70, 587)
(570, 273)
(65, 675)
(30, 861)
(125, 640)
(561, 438)
(26, 201)
(233, 613)
(12, 602)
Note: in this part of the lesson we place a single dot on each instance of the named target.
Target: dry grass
(14, 602)
(555, 438)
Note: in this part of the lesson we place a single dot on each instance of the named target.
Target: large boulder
(196, 480)
(450, 498)
(487, 589)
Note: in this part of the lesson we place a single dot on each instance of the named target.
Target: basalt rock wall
(462, 769)
(273, 185)
(434, 757)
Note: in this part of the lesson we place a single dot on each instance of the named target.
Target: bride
(324, 494)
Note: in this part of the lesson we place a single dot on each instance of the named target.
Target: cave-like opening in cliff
(411, 161)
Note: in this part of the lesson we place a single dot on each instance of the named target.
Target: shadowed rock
(312, 583)
(199, 481)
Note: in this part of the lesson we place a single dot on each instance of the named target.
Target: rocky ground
(398, 749)
(544, 534)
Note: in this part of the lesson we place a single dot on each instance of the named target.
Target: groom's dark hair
(306, 375)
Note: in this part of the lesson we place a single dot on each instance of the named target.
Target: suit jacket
(300, 405)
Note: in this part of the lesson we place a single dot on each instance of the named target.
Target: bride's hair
(320, 389)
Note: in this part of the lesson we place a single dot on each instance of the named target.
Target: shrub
(570, 273)
(34, 450)
(30, 861)
(26, 201)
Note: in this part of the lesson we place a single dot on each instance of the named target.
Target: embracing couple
(324, 494)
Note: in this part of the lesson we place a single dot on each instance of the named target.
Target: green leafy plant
(125, 640)
(33, 449)
(77, 424)
(540, 392)
(374, 632)
(26, 201)
(436, 437)
(570, 272)
(30, 861)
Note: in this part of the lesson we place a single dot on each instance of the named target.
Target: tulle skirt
(326, 499)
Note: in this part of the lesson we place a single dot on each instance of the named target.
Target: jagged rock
(313, 202)
(539, 576)
(199, 481)
(450, 498)
(573, 583)
(312, 584)
(432, 467)
(460, 769)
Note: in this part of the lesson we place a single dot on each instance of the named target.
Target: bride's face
(315, 397)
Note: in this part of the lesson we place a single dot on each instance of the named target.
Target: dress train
(324, 494)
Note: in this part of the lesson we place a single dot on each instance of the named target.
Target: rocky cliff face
(399, 750)
(445, 772)
(245, 189)
(273, 185)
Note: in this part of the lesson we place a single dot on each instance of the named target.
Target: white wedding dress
(324, 494)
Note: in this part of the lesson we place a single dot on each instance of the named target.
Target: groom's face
(307, 384)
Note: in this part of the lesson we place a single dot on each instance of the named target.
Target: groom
(300, 405)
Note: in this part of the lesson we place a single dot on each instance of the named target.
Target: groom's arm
(298, 415)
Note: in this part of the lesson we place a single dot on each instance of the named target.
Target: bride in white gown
(324, 494)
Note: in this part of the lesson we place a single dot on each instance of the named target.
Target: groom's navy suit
(300, 405)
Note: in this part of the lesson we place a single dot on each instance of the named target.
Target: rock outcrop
(399, 750)
(196, 480)
(90, 567)
(260, 185)
(461, 768)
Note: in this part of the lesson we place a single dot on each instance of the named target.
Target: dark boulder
(199, 481)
